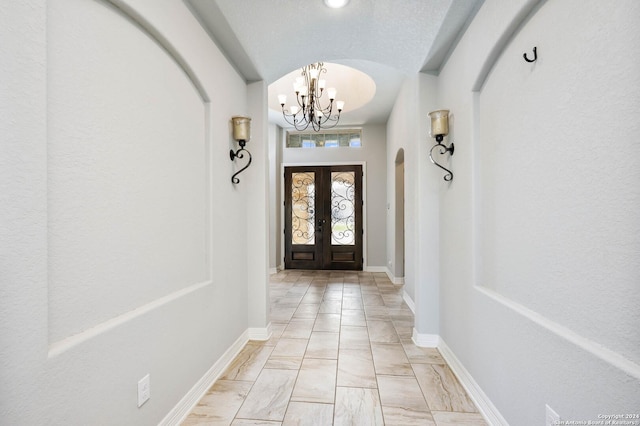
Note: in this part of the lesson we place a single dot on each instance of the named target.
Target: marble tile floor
(340, 354)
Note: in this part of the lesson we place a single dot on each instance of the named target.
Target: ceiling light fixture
(309, 89)
(336, 4)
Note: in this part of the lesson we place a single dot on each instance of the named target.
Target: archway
(399, 215)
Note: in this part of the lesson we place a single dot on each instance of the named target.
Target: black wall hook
(535, 56)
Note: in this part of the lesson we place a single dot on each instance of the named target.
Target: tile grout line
(284, 416)
(392, 314)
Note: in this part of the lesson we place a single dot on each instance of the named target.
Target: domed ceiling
(387, 40)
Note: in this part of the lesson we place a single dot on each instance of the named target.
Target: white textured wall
(584, 198)
(401, 134)
(119, 253)
(373, 152)
(274, 219)
(275, 197)
(127, 183)
(255, 184)
(540, 231)
(408, 128)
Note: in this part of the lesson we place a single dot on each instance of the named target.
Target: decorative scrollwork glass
(303, 201)
(343, 208)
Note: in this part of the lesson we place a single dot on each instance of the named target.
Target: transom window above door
(348, 138)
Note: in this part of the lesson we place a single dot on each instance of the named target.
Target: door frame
(322, 164)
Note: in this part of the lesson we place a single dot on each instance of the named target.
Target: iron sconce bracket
(239, 154)
(443, 150)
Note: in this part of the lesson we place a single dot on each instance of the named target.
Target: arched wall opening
(399, 215)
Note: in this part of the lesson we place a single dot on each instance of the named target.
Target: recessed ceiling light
(336, 3)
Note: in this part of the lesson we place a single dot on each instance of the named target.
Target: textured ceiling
(386, 39)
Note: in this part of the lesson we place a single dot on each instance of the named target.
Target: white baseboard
(425, 340)
(409, 301)
(277, 269)
(260, 333)
(384, 269)
(191, 399)
(482, 401)
(393, 278)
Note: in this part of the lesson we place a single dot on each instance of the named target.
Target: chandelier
(309, 90)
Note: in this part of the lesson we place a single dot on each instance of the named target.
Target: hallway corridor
(341, 354)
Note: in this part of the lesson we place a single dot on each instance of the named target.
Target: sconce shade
(241, 128)
(439, 122)
(241, 133)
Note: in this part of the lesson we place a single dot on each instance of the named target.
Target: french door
(323, 217)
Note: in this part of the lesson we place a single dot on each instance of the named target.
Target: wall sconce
(241, 133)
(440, 129)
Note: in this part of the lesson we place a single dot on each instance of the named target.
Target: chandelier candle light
(309, 89)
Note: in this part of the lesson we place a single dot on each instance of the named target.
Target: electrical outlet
(552, 418)
(144, 390)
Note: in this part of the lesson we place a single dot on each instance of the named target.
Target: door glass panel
(343, 219)
(303, 201)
